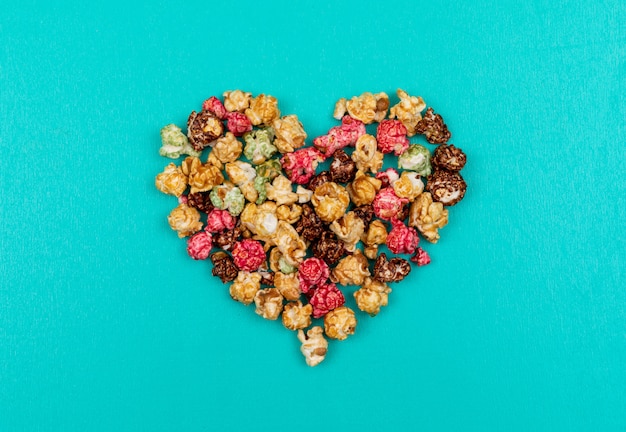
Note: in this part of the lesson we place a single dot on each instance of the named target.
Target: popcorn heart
(292, 237)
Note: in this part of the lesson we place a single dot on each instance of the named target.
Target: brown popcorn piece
(320, 179)
(245, 286)
(224, 267)
(428, 216)
(340, 323)
(267, 278)
(404, 212)
(328, 248)
(309, 226)
(372, 296)
(446, 187)
(393, 270)
(375, 235)
(269, 303)
(288, 285)
(296, 316)
(342, 168)
(171, 181)
(203, 128)
(227, 239)
(449, 157)
(200, 201)
(314, 346)
(263, 110)
(365, 213)
(433, 127)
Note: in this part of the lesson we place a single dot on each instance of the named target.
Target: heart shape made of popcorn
(288, 237)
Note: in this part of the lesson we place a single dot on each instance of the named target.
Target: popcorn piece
(387, 177)
(219, 220)
(291, 246)
(433, 127)
(269, 303)
(199, 245)
(340, 323)
(387, 205)
(363, 189)
(449, 157)
(408, 111)
(446, 187)
(227, 239)
(341, 136)
(351, 270)
(245, 286)
(296, 316)
(372, 296)
(238, 123)
(174, 143)
(365, 213)
(326, 298)
(269, 169)
(402, 239)
(309, 226)
(260, 186)
(201, 177)
(304, 195)
(391, 137)
(300, 165)
(227, 149)
(408, 186)
(279, 264)
(236, 100)
(203, 128)
(215, 107)
(240, 172)
(248, 255)
(311, 273)
(259, 147)
(330, 201)
(171, 181)
(290, 134)
(368, 108)
(428, 216)
(348, 229)
(263, 110)
(223, 267)
(375, 235)
(366, 156)
(185, 220)
(260, 219)
(342, 168)
(200, 201)
(289, 214)
(228, 197)
(328, 248)
(319, 179)
(314, 346)
(421, 257)
(340, 109)
(280, 191)
(288, 285)
(393, 270)
(416, 158)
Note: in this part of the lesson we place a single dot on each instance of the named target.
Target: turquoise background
(518, 324)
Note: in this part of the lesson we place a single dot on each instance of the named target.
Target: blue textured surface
(518, 324)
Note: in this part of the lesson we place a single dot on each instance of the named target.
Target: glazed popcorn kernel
(319, 179)
(219, 220)
(185, 220)
(289, 214)
(309, 226)
(203, 128)
(259, 147)
(330, 201)
(368, 107)
(263, 110)
(300, 165)
(290, 134)
(228, 197)
(391, 137)
(311, 273)
(238, 123)
(291, 246)
(288, 285)
(236, 100)
(433, 127)
(201, 177)
(223, 267)
(363, 189)
(326, 298)
(408, 186)
(421, 257)
(279, 264)
(328, 248)
(342, 168)
(446, 187)
(269, 303)
(227, 149)
(375, 235)
(348, 229)
(171, 181)
(174, 143)
(387, 205)
(393, 270)
(227, 239)
(296, 316)
(314, 346)
(215, 107)
(281, 192)
(449, 157)
(402, 239)
(248, 255)
(200, 201)
(416, 158)
(341, 136)
(199, 245)
(351, 270)
(365, 213)
(408, 111)
(387, 177)
(372, 296)
(340, 323)
(245, 286)
(366, 155)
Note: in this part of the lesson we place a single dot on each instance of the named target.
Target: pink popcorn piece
(387, 177)
(402, 239)
(182, 199)
(341, 136)
(300, 165)
(238, 123)
(387, 205)
(391, 137)
(214, 106)
(421, 257)
(248, 255)
(199, 245)
(326, 298)
(219, 220)
(312, 272)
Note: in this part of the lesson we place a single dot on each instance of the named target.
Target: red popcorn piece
(312, 272)
(402, 239)
(182, 199)
(387, 177)
(199, 245)
(387, 205)
(341, 136)
(300, 165)
(215, 106)
(326, 298)
(391, 137)
(248, 255)
(219, 220)
(238, 123)
(421, 257)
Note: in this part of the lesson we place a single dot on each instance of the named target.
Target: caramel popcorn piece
(372, 296)
(393, 270)
(366, 154)
(330, 201)
(363, 189)
(428, 216)
(348, 229)
(201, 177)
(288, 285)
(408, 186)
(227, 149)
(289, 214)
(236, 100)
(269, 303)
(340, 323)
(245, 286)
(446, 187)
(291, 246)
(263, 110)
(171, 181)
(351, 270)
(367, 107)
(296, 316)
(290, 134)
(433, 127)
(408, 111)
(281, 192)
(340, 109)
(314, 346)
(185, 220)
(375, 235)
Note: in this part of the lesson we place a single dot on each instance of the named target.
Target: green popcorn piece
(285, 267)
(174, 143)
(416, 158)
(269, 169)
(215, 198)
(259, 145)
(259, 186)
(234, 201)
